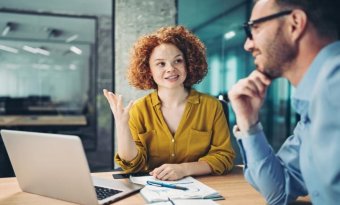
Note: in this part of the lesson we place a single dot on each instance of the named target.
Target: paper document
(186, 202)
(196, 190)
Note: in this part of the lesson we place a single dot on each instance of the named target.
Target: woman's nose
(170, 67)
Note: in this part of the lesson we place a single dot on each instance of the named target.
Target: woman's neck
(173, 98)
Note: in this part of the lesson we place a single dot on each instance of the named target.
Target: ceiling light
(229, 35)
(41, 66)
(58, 67)
(73, 67)
(72, 38)
(76, 50)
(29, 49)
(8, 49)
(9, 27)
(42, 51)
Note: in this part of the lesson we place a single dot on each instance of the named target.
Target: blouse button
(173, 140)
(172, 154)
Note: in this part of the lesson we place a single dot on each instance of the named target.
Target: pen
(161, 184)
(172, 202)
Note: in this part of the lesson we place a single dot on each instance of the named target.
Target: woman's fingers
(110, 100)
(128, 107)
(120, 103)
(113, 98)
(120, 112)
(110, 97)
(166, 172)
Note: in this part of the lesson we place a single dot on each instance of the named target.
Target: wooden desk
(232, 186)
(41, 120)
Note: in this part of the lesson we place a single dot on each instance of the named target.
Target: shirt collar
(192, 98)
(306, 86)
(304, 89)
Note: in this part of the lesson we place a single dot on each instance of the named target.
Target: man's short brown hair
(139, 73)
(324, 15)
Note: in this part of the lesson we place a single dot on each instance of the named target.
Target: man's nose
(248, 45)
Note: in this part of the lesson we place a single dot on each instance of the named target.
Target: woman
(175, 131)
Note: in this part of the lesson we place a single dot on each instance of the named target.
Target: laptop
(54, 165)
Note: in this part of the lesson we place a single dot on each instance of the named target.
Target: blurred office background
(57, 56)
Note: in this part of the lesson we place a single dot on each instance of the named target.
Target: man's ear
(297, 24)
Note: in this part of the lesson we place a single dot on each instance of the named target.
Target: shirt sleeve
(221, 154)
(276, 177)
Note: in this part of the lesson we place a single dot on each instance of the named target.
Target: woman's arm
(127, 149)
(178, 171)
(221, 153)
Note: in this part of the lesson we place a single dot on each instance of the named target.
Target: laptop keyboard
(103, 193)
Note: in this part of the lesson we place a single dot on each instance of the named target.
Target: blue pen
(161, 184)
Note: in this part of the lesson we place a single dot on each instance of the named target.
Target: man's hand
(246, 98)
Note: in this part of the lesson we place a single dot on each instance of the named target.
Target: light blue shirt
(308, 163)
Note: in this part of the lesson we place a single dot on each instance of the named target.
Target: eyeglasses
(248, 25)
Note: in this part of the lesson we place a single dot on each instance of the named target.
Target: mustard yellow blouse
(202, 135)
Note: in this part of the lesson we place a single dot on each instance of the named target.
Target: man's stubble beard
(280, 54)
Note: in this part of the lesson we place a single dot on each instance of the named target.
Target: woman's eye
(178, 61)
(161, 64)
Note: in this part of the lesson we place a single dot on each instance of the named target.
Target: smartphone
(123, 176)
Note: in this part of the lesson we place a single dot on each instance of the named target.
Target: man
(297, 40)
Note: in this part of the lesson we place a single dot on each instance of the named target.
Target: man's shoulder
(331, 68)
(332, 60)
(326, 92)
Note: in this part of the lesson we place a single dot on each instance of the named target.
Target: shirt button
(172, 154)
(173, 140)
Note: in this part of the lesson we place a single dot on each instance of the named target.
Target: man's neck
(308, 49)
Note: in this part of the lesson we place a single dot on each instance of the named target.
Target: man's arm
(276, 177)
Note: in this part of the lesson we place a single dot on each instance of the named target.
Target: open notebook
(195, 190)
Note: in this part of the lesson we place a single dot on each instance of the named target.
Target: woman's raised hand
(120, 112)
(127, 149)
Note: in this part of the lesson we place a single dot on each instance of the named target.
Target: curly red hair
(139, 73)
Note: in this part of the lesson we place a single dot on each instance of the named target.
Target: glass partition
(46, 64)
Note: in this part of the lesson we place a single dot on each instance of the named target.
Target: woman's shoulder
(206, 98)
(143, 102)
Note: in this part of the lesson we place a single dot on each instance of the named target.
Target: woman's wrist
(185, 169)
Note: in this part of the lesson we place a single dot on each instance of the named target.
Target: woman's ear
(297, 24)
